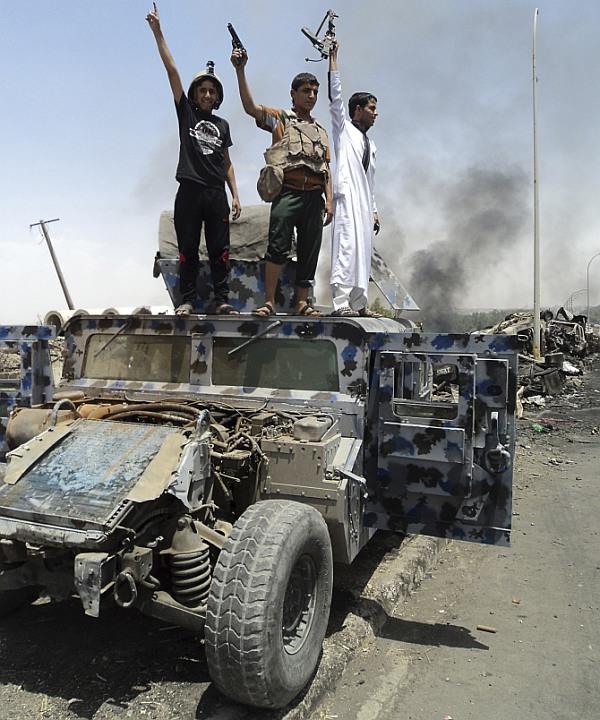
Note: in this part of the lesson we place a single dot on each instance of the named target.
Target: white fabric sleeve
(336, 104)
(373, 203)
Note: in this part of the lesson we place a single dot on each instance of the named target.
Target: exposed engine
(163, 484)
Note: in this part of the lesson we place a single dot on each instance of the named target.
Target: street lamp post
(536, 224)
(572, 296)
(587, 282)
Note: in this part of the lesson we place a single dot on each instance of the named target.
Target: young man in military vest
(295, 179)
(204, 168)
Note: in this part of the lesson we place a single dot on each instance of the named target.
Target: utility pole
(63, 284)
(587, 284)
(536, 224)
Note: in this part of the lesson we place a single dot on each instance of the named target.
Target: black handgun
(236, 43)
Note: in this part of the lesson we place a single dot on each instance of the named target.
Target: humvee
(208, 471)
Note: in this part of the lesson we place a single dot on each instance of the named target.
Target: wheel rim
(299, 604)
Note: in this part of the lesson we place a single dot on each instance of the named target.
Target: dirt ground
(57, 663)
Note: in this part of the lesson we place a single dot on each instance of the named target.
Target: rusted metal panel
(26, 455)
(88, 474)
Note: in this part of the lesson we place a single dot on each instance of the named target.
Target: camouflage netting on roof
(248, 235)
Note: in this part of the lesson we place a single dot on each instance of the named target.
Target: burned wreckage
(208, 470)
(565, 341)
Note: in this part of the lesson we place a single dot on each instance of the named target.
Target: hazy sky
(89, 135)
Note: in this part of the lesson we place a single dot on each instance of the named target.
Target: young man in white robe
(355, 212)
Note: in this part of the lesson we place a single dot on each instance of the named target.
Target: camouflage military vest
(303, 143)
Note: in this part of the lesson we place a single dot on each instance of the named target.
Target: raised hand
(239, 58)
(333, 53)
(153, 18)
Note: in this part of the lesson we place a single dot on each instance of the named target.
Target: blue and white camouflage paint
(439, 468)
(32, 383)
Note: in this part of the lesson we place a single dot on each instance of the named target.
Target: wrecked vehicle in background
(567, 334)
(564, 343)
(207, 470)
(559, 333)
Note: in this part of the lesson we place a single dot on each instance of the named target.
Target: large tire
(269, 602)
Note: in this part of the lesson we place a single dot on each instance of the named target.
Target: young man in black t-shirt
(203, 169)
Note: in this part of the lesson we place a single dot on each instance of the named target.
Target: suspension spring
(191, 575)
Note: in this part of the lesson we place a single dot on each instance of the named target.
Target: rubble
(10, 366)
(565, 341)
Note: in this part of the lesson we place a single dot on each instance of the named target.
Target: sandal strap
(308, 310)
(365, 312)
(345, 311)
(270, 310)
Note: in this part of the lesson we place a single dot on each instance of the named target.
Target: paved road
(429, 660)
(542, 596)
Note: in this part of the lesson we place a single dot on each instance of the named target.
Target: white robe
(353, 197)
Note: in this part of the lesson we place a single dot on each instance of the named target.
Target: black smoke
(483, 216)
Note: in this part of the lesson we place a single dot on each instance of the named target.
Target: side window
(10, 369)
(426, 389)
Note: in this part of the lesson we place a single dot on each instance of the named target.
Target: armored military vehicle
(208, 470)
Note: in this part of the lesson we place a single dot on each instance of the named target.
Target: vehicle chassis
(182, 460)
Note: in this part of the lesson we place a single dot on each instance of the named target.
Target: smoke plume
(483, 216)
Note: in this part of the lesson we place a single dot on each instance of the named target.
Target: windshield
(148, 358)
(286, 364)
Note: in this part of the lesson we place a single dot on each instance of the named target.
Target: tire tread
(235, 620)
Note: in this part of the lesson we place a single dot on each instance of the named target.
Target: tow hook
(125, 590)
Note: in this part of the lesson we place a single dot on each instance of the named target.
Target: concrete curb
(396, 575)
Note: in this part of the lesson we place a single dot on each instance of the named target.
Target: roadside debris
(487, 628)
(570, 369)
(565, 341)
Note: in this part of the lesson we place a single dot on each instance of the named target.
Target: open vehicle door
(25, 371)
(445, 436)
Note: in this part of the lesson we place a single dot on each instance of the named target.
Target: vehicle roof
(367, 325)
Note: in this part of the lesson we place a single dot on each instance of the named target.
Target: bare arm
(236, 208)
(333, 56)
(239, 58)
(153, 20)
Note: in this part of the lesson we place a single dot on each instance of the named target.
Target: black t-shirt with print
(202, 140)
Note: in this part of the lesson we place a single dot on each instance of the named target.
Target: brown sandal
(365, 312)
(265, 310)
(307, 310)
(345, 311)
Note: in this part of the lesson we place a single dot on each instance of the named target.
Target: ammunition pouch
(270, 182)
(302, 144)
